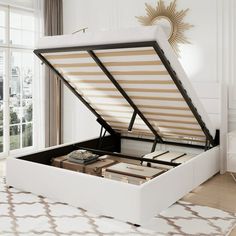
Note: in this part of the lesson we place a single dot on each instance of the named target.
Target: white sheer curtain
(35, 7)
(20, 3)
(39, 131)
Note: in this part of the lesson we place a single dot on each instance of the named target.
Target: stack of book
(82, 157)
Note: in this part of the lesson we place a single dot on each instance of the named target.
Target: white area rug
(24, 214)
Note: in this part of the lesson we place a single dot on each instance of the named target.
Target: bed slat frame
(88, 52)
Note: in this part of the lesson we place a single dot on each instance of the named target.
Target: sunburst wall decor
(170, 19)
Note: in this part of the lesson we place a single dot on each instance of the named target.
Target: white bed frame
(126, 202)
(123, 201)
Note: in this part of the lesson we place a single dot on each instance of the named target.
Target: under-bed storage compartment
(127, 202)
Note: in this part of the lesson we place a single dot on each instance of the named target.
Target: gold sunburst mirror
(171, 21)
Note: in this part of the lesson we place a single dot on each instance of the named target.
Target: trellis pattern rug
(25, 214)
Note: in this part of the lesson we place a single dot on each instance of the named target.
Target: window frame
(7, 47)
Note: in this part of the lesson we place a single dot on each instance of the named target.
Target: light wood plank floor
(218, 192)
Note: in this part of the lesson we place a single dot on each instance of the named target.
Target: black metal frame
(100, 120)
(111, 146)
(165, 142)
(176, 158)
(131, 124)
(124, 94)
(167, 65)
(183, 92)
(141, 159)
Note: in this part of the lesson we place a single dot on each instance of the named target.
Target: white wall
(200, 59)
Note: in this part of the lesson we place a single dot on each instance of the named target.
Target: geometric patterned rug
(25, 214)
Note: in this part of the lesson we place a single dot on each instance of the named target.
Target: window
(17, 66)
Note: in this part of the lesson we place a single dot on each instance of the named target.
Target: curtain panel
(53, 25)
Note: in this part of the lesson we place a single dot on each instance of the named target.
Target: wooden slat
(177, 121)
(184, 139)
(83, 73)
(152, 120)
(134, 129)
(109, 117)
(166, 137)
(145, 81)
(125, 126)
(66, 56)
(138, 131)
(124, 63)
(163, 107)
(92, 73)
(137, 121)
(120, 127)
(160, 126)
(107, 81)
(148, 113)
(183, 134)
(178, 127)
(177, 139)
(121, 124)
(142, 90)
(158, 98)
(169, 114)
(135, 97)
(145, 52)
(111, 105)
(164, 134)
(74, 65)
(114, 111)
(143, 106)
(117, 53)
(160, 72)
(117, 121)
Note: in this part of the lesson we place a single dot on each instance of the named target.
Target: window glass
(16, 110)
(15, 114)
(15, 131)
(27, 22)
(27, 111)
(27, 75)
(2, 18)
(1, 113)
(15, 80)
(22, 29)
(21, 21)
(21, 37)
(2, 35)
(22, 3)
(1, 139)
(2, 72)
(27, 139)
(2, 77)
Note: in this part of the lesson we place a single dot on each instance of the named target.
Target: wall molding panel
(226, 71)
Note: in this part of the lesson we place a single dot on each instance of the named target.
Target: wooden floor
(218, 192)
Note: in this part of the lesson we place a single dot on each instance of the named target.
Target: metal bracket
(131, 124)
(207, 145)
(154, 144)
(101, 137)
